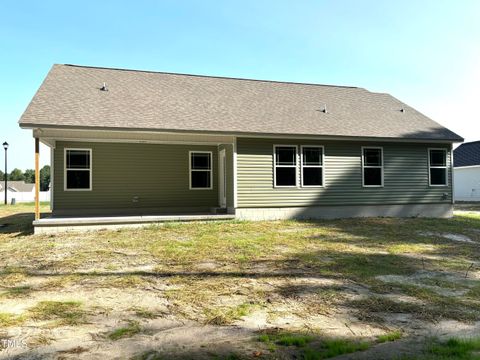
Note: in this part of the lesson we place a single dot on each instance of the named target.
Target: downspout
(452, 174)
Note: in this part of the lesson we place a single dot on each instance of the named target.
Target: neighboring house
(142, 142)
(467, 172)
(21, 192)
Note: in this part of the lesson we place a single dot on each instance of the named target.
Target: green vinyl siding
(405, 175)
(155, 174)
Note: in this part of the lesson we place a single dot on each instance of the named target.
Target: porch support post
(235, 186)
(37, 179)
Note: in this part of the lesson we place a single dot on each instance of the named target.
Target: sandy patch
(426, 279)
(449, 236)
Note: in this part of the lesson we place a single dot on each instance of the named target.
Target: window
(437, 163)
(78, 169)
(312, 166)
(372, 166)
(285, 166)
(200, 170)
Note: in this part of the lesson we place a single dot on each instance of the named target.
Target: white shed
(466, 173)
(467, 183)
(21, 192)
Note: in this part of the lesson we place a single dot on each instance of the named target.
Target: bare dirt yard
(379, 288)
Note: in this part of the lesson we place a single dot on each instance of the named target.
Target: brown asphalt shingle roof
(70, 96)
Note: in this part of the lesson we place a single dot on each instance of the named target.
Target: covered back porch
(110, 179)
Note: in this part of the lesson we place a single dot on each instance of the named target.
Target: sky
(425, 53)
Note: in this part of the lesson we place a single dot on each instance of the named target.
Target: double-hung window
(372, 166)
(285, 166)
(437, 167)
(78, 169)
(200, 170)
(312, 166)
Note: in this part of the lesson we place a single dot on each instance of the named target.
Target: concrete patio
(52, 225)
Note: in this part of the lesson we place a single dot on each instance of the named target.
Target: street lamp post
(5, 146)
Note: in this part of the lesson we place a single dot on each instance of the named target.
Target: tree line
(29, 176)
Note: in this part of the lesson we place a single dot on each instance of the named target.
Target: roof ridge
(470, 142)
(212, 76)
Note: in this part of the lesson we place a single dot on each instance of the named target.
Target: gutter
(240, 133)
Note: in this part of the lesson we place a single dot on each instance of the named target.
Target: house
(466, 172)
(131, 143)
(21, 192)
(18, 190)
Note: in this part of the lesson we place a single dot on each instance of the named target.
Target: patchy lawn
(364, 288)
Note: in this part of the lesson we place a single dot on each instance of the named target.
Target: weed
(144, 313)
(65, 312)
(40, 340)
(225, 316)
(7, 319)
(132, 328)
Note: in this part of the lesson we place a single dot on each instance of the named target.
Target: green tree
(16, 175)
(44, 178)
(29, 176)
(1, 176)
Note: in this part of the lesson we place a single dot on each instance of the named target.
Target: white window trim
(287, 166)
(438, 167)
(312, 166)
(190, 170)
(372, 166)
(65, 169)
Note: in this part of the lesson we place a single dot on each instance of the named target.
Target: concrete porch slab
(52, 225)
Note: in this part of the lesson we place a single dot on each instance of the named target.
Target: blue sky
(426, 53)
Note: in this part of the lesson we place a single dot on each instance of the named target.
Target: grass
(17, 291)
(312, 347)
(452, 349)
(63, 312)
(432, 306)
(391, 336)
(298, 269)
(294, 340)
(286, 339)
(131, 329)
(28, 207)
(335, 347)
(124, 281)
(149, 355)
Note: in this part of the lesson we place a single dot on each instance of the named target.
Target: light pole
(5, 146)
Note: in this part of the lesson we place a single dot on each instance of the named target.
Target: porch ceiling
(49, 136)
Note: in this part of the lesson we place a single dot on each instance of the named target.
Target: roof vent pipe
(104, 87)
(325, 108)
(402, 110)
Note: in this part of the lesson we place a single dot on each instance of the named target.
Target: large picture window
(437, 167)
(200, 170)
(372, 166)
(312, 166)
(285, 166)
(78, 169)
